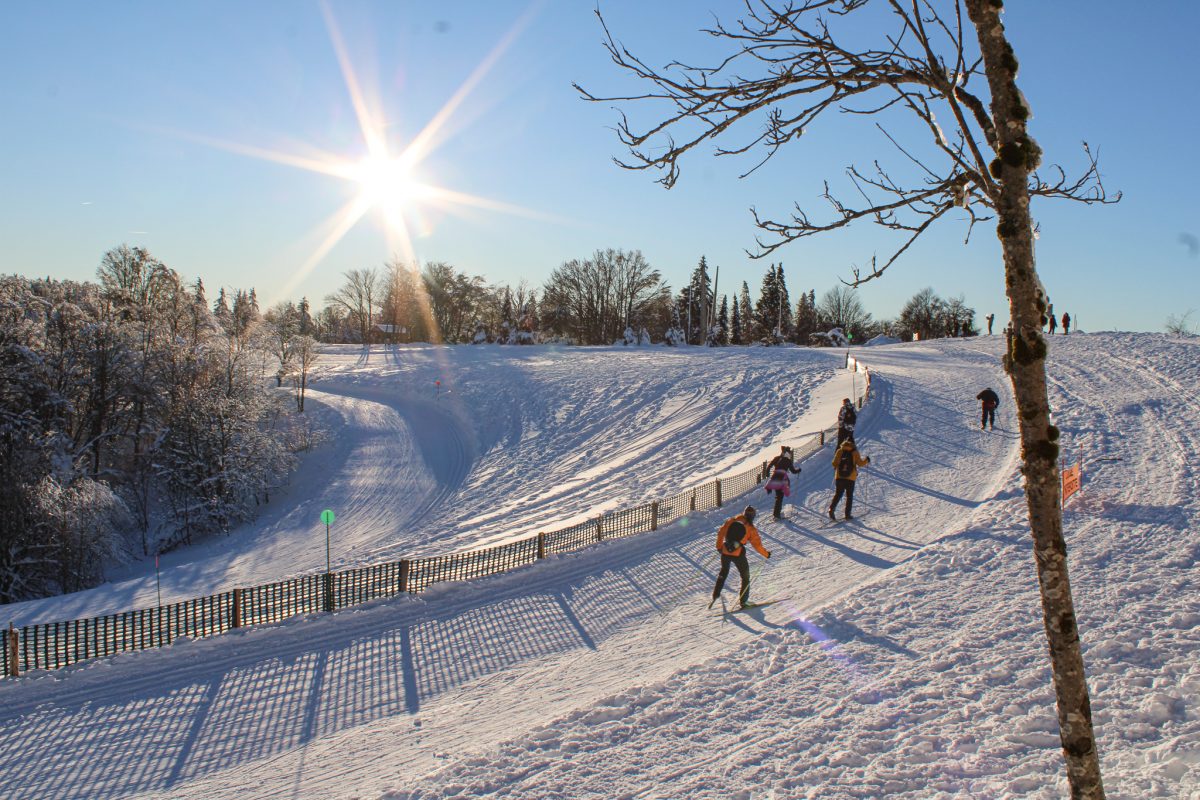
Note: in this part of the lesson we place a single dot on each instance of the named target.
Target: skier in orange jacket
(735, 534)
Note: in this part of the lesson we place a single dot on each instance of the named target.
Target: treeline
(136, 413)
(611, 296)
(133, 416)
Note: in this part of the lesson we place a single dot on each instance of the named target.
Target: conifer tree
(735, 328)
(749, 324)
(723, 320)
(805, 323)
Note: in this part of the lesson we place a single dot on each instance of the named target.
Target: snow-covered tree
(675, 335)
(722, 323)
(481, 334)
(304, 356)
(750, 329)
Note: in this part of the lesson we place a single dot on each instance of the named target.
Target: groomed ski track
(606, 653)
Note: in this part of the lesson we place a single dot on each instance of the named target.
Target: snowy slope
(906, 658)
(514, 441)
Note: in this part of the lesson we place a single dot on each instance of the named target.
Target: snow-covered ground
(905, 658)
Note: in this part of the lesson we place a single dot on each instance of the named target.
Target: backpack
(734, 535)
(845, 467)
(849, 417)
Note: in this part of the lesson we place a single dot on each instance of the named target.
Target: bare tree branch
(787, 66)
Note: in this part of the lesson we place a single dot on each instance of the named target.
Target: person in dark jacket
(846, 461)
(990, 402)
(735, 534)
(1053, 323)
(779, 482)
(1066, 323)
(847, 416)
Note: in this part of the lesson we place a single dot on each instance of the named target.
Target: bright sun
(386, 183)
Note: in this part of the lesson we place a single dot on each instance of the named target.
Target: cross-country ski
(736, 609)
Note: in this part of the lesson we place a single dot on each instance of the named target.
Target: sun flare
(390, 178)
(386, 183)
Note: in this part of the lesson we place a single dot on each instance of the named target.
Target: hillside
(905, 658)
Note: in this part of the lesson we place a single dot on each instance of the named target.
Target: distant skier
(780, 483)
(990, 319)
(1066, 323)
(1053, 322)
(735, 534)
(846, 462)
(990, 402)
(847, 416)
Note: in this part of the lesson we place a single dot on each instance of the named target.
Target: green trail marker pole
(327, 517)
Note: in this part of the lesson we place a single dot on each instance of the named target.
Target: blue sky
(137, 123)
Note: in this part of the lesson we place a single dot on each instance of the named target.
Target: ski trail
(416, 468)
(453, 670)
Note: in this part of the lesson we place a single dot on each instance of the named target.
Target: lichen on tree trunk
(1018, 156)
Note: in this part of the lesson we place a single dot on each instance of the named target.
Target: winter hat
(750, 513)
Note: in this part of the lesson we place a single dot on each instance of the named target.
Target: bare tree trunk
(1026, 361)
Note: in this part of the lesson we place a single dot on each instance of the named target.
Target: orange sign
(1070, 482)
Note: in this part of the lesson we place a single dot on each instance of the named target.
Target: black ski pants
(743, 568)
(778, 503)
(989, 416)
(843, 485)
(844, 434)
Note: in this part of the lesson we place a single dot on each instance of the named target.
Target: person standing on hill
(1066, 323)
(780, 483)
(990, 319)
(990, 402)
(846, 461)
(847, 416)
(1053, 323)
(735, 534)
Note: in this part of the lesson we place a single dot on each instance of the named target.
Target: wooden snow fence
(53, 645)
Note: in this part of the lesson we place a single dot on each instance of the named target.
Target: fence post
(12, 644)
(541, 545)
(822, 438)
(654, 516)
(405, 568)
(235, 613)
(328, 591)
(692, 507)
(718, 482)
(599, 527)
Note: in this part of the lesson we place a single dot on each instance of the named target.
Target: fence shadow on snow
(341, 671)
(55, 645)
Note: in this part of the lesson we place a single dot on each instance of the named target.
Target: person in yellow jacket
(846, 461)
(735, 534)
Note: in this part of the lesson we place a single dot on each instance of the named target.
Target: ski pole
(687, 587)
